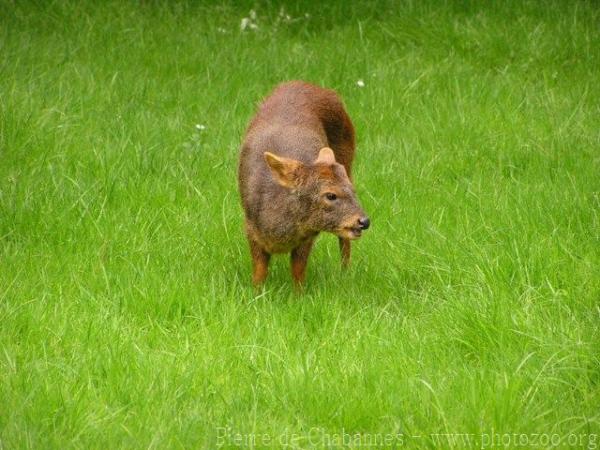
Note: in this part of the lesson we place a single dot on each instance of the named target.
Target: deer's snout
(364, 223)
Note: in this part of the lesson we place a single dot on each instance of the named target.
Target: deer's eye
(331, 196)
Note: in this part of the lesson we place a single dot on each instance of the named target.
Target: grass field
(470, 315)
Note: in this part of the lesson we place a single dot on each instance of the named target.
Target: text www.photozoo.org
(321, 438)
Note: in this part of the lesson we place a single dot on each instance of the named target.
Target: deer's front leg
(299, 259)
(260, 263)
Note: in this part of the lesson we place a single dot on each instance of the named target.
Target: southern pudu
(295, 177)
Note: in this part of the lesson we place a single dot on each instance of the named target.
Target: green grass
(472, 306)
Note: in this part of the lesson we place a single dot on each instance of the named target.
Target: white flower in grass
(200, 127)
(283, 16)
(360, 83)
(249, 22)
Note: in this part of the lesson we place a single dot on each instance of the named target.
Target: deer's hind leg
(343, 144)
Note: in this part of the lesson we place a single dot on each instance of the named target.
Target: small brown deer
(295, 177)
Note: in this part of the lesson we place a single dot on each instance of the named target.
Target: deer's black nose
(364, 223)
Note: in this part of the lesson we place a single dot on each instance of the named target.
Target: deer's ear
(326, 156)
(286, 171)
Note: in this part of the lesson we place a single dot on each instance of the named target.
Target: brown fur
(295, 176)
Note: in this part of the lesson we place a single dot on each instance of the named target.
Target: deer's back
(295, 121)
